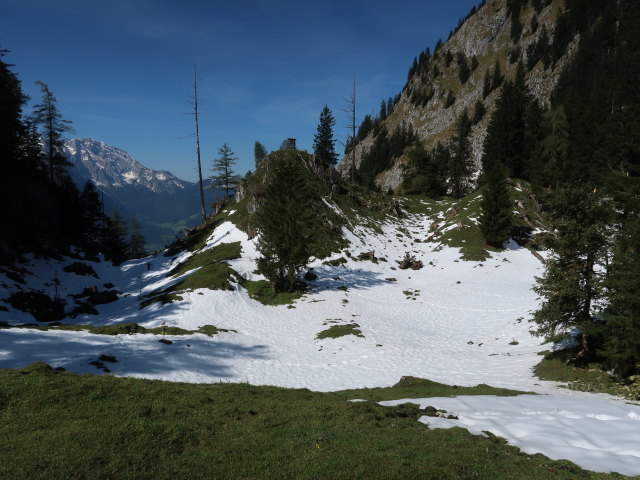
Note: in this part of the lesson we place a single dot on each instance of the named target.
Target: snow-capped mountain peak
(110, 166)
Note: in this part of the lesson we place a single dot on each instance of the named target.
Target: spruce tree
(116, 247)
(620, 332)
(478, 112)
(463, 72)
(52, 127)
(496, 219)
(136, 240)
(383, 110)
(323, 142)
(259, 152)
(426, 171)
(460, 162)
(572, 284)
(92, 218)
(486, 85)
(224, 177)
(286, 222)
(497, 78)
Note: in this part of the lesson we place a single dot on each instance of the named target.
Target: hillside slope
(435, 95)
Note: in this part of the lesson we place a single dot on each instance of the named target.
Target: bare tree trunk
(351, 116)
(195, 114)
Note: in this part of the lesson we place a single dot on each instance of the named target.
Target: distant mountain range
(162, 202)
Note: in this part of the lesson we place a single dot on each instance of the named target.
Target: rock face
(486, 35)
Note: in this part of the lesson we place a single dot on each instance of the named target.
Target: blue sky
(122, 71)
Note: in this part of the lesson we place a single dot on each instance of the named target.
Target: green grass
(261, 291)
(120, 329)
(335, 262)
(61, 425)
(336, 331)
(412, 387)
(212, 273)
(555, 366)
(198, 237)
(221, 252)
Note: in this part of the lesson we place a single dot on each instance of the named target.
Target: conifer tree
(286, 223)
(478, 112)
(92, 217)
(486, 85)
(460, 163)
(496, 222)
(621, 344)
(383, 110)
(426, 172)
(572, 284)
(463, 72)
(497, 78)
(136, 240)
(224, 177)
(323, 142)
(259, 152)
(11, 101)
(53, 127)
(116, 248)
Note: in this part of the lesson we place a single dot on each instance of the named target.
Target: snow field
(453, 321)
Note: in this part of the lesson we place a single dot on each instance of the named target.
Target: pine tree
(426, 171)
(572, 284)
(496, 222)
(116, 248)
(463, 72)
(478, 112)
(286, 223)
(11, 101)
(486, 86)
(92, 218)
(497, 78)
(136, 240)
(224, 176)
(323, 142)
(259, 152)
(460, 163)
(383, 110)
(620, 348)
(53, 127)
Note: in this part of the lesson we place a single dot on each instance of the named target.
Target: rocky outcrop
(486, 35)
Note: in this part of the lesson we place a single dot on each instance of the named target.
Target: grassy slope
(555, 366)
(60, 425)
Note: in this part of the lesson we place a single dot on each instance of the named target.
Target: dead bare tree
(351, 116)
(195, 115)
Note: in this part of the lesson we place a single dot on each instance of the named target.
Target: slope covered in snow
(453, 321)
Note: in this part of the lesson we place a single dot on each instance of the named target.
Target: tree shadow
(332, 278)
(187, 358)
